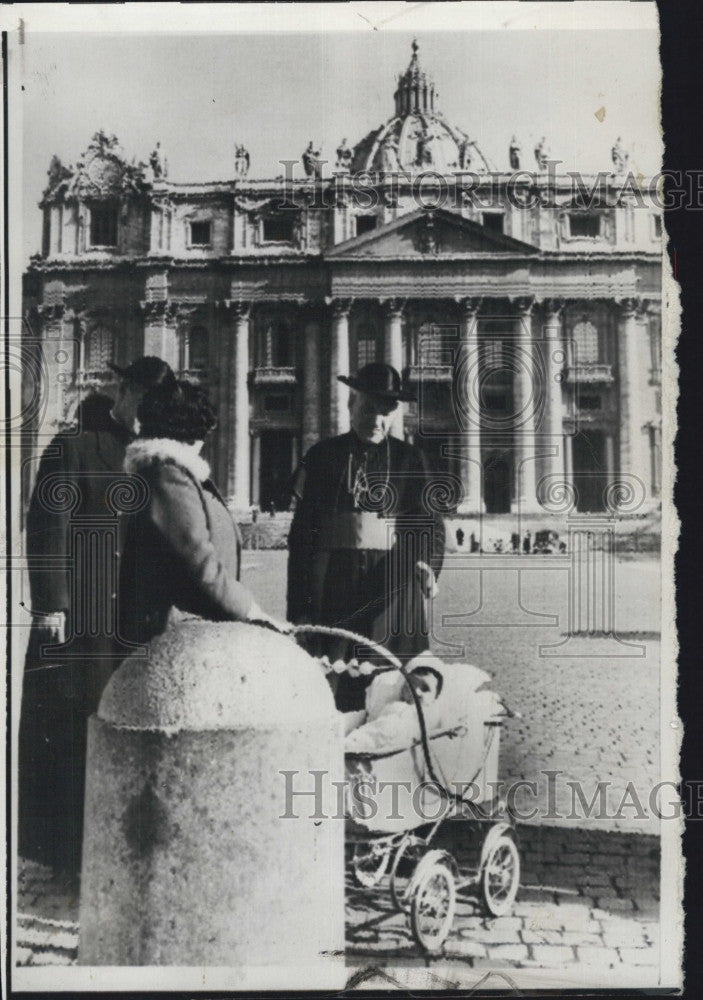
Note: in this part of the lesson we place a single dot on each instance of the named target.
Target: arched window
(98, 349)
(585, 336)
(366, 346)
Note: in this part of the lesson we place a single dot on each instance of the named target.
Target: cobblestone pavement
(588, 899)
(591, 712)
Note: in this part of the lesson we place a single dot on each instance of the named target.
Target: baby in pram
(394, 723)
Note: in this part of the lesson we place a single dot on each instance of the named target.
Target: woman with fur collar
(182, 550)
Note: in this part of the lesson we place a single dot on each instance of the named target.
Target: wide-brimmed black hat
(146, 372)
(380, 380)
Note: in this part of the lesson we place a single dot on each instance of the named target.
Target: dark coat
(372, 592)
(182, 550)
(62, 687)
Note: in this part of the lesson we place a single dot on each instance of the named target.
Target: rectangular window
(366, 351)
(278, 230)
(494, 221)
(200, 234)
(584, 225)
(365, 223)
(103, 225)
(493, 354)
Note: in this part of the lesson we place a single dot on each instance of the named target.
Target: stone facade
(526, 307)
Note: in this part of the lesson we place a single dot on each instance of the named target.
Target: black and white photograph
(342, 397)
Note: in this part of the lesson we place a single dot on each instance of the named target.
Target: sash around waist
(357, 530)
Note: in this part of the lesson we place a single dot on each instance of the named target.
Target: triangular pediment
(426, 234)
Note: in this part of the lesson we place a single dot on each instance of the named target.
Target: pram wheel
(433, 903)
(406, 856)
(500, 875)
(369, 863)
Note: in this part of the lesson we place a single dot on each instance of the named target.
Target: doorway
(275, 470)
(497, 484)
(590, 470)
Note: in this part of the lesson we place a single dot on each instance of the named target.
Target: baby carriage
(447, 775)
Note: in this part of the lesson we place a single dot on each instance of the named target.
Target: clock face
(104, 174)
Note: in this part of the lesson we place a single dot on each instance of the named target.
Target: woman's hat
(377, 379)
(145, 372)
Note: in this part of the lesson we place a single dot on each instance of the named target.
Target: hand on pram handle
(257, 616)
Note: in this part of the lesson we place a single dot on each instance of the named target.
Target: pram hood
(464, 696)
(457, 741)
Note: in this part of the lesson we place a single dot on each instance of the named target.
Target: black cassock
(366, 514)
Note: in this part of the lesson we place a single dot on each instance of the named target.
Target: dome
(418, 137)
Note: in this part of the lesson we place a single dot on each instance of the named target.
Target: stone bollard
(186, 859)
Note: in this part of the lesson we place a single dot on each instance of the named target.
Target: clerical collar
(360, 445)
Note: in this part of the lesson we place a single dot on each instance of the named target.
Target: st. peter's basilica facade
(524, 307)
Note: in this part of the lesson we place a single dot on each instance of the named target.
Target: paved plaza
(589, 900)
(590, 887)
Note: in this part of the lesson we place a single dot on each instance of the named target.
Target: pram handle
(343, 633)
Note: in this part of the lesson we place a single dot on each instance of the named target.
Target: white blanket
(395, 727)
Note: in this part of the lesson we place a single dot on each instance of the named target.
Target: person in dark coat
(182, 550)
(73, 646)
(366, 544)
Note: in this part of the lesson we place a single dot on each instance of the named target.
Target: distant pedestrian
(515, 542)
(272, 509)
(254, 528)
(459, 537)
(474, 543)
(527, 543)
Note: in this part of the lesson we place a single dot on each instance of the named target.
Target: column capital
(553, 307)
(340, 307)
(523, 304)
(393, 306)
(158, 310)
(643, 308)
(629, 306)
(236, 308)
(470, 306)
(184, 311)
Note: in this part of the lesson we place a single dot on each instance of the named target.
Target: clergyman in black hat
(60, 692)
(366, 544)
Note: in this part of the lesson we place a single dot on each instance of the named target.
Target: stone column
(237, 488)
(471, 466)
(311, 383)
(609, 458)
(554, 412)
(631, 434)
(393, 354)
(255, 468)
(339, 365)
(526, 403)
(568, 458)
(160, 336)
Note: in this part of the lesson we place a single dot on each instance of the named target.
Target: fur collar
(149, 451)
